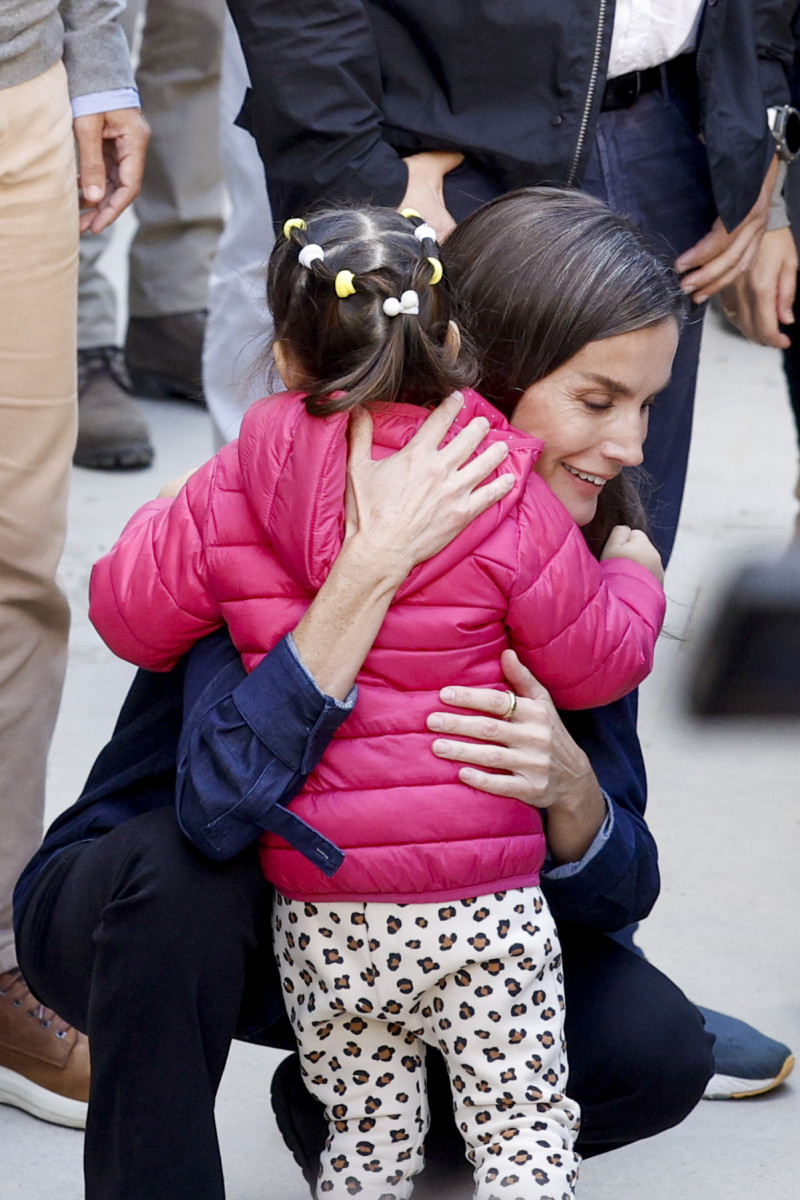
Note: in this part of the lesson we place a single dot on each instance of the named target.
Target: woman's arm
(433, 493)
(586, 770)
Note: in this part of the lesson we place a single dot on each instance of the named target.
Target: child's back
(250, 540)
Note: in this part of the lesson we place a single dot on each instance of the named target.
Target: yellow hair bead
(293, 223)
(438, 270)
(343, 284)
(408, 213)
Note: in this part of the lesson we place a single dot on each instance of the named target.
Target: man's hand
(719, 258)
(763, 298)
(111, 153)
(425, 191)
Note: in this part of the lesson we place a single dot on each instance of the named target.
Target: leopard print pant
(367, 985)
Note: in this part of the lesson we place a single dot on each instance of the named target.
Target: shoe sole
(731, 1087)
(40, 1102)
(151, 386)
(122, 458)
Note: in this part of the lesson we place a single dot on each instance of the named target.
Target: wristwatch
(784, 125)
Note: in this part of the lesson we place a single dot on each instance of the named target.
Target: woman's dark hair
(347, 349)
(538, 274)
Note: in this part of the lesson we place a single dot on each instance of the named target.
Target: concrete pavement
(725, 806)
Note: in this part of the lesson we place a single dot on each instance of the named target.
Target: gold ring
(730, 313)
(512, 707)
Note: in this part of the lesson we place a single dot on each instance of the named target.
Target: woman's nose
(625, 442)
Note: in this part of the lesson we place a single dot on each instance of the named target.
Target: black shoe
(112, 431)
(301, 1121)
(164, 356)
(299, 1117)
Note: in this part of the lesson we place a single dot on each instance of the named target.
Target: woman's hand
(405, 508)
(399, 511)
(530, 757)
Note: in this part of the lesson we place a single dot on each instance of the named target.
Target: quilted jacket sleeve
(586, 629)
(150, 598)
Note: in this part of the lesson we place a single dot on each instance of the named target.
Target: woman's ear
(452, 340)
(287, 366)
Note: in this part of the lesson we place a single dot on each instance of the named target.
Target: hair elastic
(421, 232)
(407, 305)
(438, 270)
(343, 284)
(310, 254)
(408, 213)
(293, 223)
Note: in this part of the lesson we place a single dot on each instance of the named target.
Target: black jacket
(342, 89)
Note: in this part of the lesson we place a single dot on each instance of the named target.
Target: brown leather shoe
(44, 1063)
(112, 431)
(164, 356)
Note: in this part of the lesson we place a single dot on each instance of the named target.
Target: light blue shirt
(97, 102)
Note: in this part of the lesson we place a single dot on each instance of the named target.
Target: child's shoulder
(272, 409)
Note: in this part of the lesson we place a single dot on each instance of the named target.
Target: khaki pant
(38, 272)
(179, 211)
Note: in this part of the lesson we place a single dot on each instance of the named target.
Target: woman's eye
(596, 403)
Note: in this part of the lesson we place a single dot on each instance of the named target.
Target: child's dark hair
(330, 276)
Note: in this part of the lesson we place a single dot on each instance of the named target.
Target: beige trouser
(38, 274)
(180, 208)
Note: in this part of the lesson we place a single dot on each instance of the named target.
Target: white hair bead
(408, 305)
(309, 254)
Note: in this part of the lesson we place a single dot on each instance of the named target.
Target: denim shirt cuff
(100, 102)
(566, 870)
(287, 711)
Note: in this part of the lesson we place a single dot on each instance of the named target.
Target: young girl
(433, 928)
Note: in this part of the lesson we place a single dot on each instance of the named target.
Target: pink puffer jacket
(250, 540)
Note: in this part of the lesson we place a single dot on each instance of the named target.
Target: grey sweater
(35, 34)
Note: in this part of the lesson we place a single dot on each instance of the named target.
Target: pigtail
(360, 301)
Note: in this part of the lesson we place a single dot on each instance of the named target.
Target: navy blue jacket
(343, 89)
(232, 750)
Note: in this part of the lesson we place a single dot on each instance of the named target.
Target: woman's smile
(597, 480)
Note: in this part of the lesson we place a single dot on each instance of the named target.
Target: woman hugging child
(432, 928)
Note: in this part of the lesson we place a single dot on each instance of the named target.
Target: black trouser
(151, 948)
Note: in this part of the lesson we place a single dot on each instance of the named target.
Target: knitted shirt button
(556, 120)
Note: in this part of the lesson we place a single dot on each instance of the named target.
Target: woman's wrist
(577, 814)
(371, 565)
(337, 632)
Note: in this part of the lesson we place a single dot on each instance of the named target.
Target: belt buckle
(632, 87)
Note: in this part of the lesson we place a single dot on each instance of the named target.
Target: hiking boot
(112, 431)
(164, 356)
(44, 1063)
(746, 1062)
